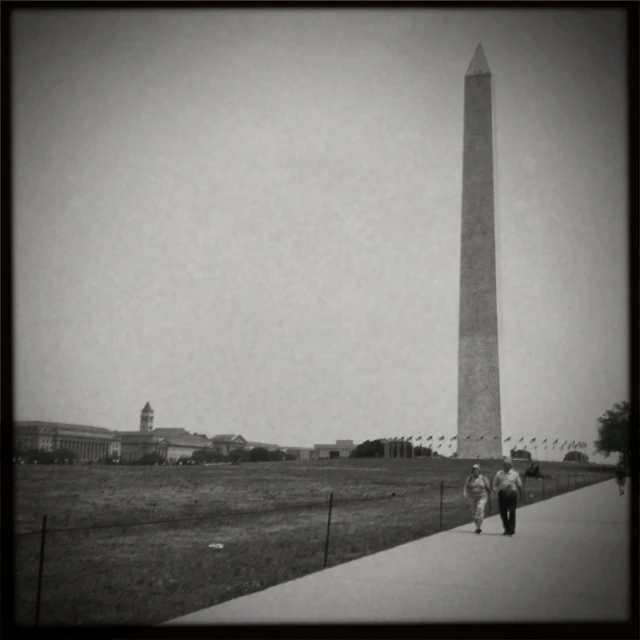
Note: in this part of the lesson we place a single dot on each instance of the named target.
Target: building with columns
(94, 444)
(226, 443)
(88, 443)
(180, 443)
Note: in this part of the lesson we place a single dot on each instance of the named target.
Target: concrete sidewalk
(568, 562)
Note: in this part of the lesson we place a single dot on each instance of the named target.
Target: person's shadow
(473, 533)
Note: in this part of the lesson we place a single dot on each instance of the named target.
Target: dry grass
(149, 573)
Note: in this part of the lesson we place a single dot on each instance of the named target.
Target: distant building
(171, 443)
(181, 443)
(135, 445)
(146, 418)
(92, 444)
(88, 443)
(301, 454)
(228, 442)
(341, 449)
(262, 445)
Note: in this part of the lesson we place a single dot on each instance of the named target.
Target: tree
(151, 458)
(575, 456)
(38, 456)
(241, 455)
(613, 432)
(258, 454)
(200, 456)
(368, 449)
(63, 454)
(112, 458)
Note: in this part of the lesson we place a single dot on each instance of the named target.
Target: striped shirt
(506, 479)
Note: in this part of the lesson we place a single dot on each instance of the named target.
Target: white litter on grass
(216, 545)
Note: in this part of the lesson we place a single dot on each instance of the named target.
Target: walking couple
(506, 483)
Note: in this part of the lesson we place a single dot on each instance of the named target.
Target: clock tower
(146, 419)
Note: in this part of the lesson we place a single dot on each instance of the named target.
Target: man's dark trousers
(507, 506)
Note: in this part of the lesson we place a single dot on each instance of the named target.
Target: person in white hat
(507, 484)
(477, 490)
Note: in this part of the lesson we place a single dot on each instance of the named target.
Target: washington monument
(479, 425)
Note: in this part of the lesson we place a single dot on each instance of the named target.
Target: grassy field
(270, 517)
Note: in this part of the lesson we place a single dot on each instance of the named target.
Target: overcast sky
(252, 219)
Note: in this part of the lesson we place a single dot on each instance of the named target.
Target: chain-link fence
(147, 572)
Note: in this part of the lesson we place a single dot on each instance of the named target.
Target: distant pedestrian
(621, 477)
(533, 470)
(507, 484)
(477, 490)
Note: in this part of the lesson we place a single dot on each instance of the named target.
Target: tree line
(613, 437)
(204, 456)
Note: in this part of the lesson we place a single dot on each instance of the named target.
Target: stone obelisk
(479, 425)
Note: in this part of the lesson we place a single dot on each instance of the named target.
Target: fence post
(441, 492)
(40, 568)
(524, 490)
(326, 544)
(543, 488)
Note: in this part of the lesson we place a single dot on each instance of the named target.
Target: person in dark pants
(507, 484)
(621, 477)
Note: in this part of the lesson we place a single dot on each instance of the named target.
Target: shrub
(258, 454)
(208, 455)
(64, 454)
(151, 458)
(368, 449)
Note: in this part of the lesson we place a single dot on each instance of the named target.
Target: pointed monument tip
(479, 65)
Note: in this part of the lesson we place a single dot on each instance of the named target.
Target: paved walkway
(568, 562)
